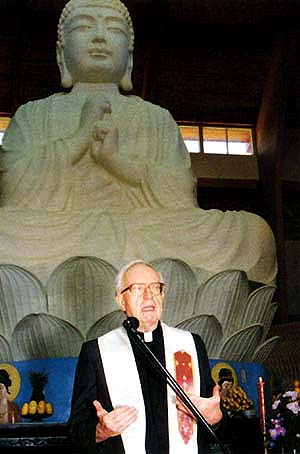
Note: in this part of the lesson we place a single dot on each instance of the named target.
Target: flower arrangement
(283, 432)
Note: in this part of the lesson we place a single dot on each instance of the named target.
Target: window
(218, 140)
(191, 138)
(4, 122)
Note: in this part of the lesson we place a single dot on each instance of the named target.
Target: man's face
(147, 308)
(96, 44)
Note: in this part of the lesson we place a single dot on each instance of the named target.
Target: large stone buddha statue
(93, 172)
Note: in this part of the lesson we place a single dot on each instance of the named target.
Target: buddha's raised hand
(93, 127)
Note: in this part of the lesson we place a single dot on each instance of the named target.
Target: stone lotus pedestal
(77, 303)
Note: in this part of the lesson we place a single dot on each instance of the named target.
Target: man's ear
(66, 80)
(120, 301)
(126, 82)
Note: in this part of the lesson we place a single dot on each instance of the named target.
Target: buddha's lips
(99, 52)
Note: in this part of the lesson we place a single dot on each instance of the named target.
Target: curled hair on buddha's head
(117, 5)
(5, 380)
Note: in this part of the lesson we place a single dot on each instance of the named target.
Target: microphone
(131, 324)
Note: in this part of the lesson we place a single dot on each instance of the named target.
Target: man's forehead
(140, 270)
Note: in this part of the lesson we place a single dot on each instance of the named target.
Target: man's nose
(147, 292)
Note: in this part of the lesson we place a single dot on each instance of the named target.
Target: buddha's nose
(100, 32)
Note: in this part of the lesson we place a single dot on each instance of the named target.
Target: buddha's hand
(111, 424)
(105, 138)
(95, 125)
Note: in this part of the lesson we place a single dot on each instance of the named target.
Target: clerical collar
(151, 336)
(148, 337)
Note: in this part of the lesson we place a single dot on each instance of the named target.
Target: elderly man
(120, 403)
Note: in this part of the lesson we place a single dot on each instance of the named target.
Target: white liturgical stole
(125, 389)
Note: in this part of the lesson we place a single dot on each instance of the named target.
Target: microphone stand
(130, 324)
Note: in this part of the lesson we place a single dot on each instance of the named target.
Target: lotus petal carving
(5, 351)
(45, 336)
(20, 294)
(260, 308)
(208, 328)
(105, 324)
(263, 350)
(78, 303)
(182, 285)
(241, 345)
(81, 290)
(221, 296)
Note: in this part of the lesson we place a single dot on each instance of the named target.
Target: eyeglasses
(156, 288)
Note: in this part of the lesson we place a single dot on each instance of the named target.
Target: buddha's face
(96, 44)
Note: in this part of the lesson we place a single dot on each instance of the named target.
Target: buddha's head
(95, 43)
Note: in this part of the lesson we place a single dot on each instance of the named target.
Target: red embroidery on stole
(184, 377)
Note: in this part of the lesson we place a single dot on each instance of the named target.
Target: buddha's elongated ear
(126, 82)
(66, 80)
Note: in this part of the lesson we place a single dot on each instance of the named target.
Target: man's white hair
(117, 5)
(120, 276)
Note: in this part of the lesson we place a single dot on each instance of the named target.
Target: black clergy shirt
(154, 389)
(90, 384)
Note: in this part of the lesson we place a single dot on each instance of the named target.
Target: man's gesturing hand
(113, 423)
(209, 407)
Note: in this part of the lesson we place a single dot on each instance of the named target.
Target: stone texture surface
(80, 305)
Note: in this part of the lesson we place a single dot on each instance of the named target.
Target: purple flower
(277, 429)
(285, 410)
(275, 404)
(294, 407)
(292, 394)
